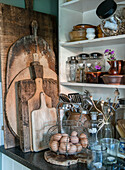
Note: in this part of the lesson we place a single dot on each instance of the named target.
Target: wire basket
(72, 141)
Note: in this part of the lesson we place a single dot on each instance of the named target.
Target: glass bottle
(93, 129)
(119, 115)
(73, 65)
(107, 131)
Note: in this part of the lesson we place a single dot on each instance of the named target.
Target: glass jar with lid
(97, 62)
(80, 71)
(119, 115)
(112, 17)
(72, 66)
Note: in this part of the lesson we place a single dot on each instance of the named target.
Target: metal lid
(96, 55)
(83, 56)
(122, 101)
(73, 60)
(106, 9)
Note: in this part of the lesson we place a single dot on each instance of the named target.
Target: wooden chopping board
(34, 104)
(42, 120)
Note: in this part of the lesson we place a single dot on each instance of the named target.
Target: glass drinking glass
(94, 162)
(110, 156)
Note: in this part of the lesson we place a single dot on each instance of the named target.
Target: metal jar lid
(106, 9)
(83, 56)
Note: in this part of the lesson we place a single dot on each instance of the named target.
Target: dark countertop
(35, 161)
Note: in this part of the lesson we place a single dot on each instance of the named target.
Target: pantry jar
(72, 67)
(97, 62)
(112, 17)
(81, 65)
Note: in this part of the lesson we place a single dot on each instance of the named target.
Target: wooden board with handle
(34, 104)
(42, 120)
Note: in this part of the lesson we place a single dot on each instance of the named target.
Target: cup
(111, 145)
(94, 162)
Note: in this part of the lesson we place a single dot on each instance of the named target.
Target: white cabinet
(84, 12)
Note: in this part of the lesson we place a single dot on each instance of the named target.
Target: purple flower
(106, 51)
(112, 58)
(112, 52)
(98, 67)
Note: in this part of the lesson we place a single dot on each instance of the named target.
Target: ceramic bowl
(114, 79)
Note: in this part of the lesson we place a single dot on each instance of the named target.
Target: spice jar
(119, 115)
(113, 19)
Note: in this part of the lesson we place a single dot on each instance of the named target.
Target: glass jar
(97, 62)
(113, 17)
(107, 131)
(80, 71)
(119, 115)
(73, 66)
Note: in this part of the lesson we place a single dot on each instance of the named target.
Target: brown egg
(61, 151)
(74, 133)
(54, 146)
(51, 139)
(82, 135)
(64, 139)
(65, 134)
(84, 142)
(57, 137)
(64, 146)
(79, 147)
(72, 149)
(74, 139)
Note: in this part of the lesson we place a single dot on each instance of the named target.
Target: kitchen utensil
(42, 120)
(34, 104)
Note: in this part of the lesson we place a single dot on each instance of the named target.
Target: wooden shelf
(92, 85)
(83, 6)
(112, 40)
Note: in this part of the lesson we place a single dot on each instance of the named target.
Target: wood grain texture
(26, 90)
(64, 160)
(14, 26)
(34, 104)
(42, 120)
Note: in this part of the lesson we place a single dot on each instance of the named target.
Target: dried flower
(110, 54)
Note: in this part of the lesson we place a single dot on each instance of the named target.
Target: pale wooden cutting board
(34, 104)
(42, 120)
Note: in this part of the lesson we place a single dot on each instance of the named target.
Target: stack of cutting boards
(36, 115)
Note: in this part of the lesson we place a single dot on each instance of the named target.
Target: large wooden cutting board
(42, 120)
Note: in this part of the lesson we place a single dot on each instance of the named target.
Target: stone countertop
(35, 161)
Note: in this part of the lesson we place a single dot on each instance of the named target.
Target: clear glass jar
(81, 67)
(112, 15)
(73, 66)
(119, 115)
(96, 62)
(107, 131)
